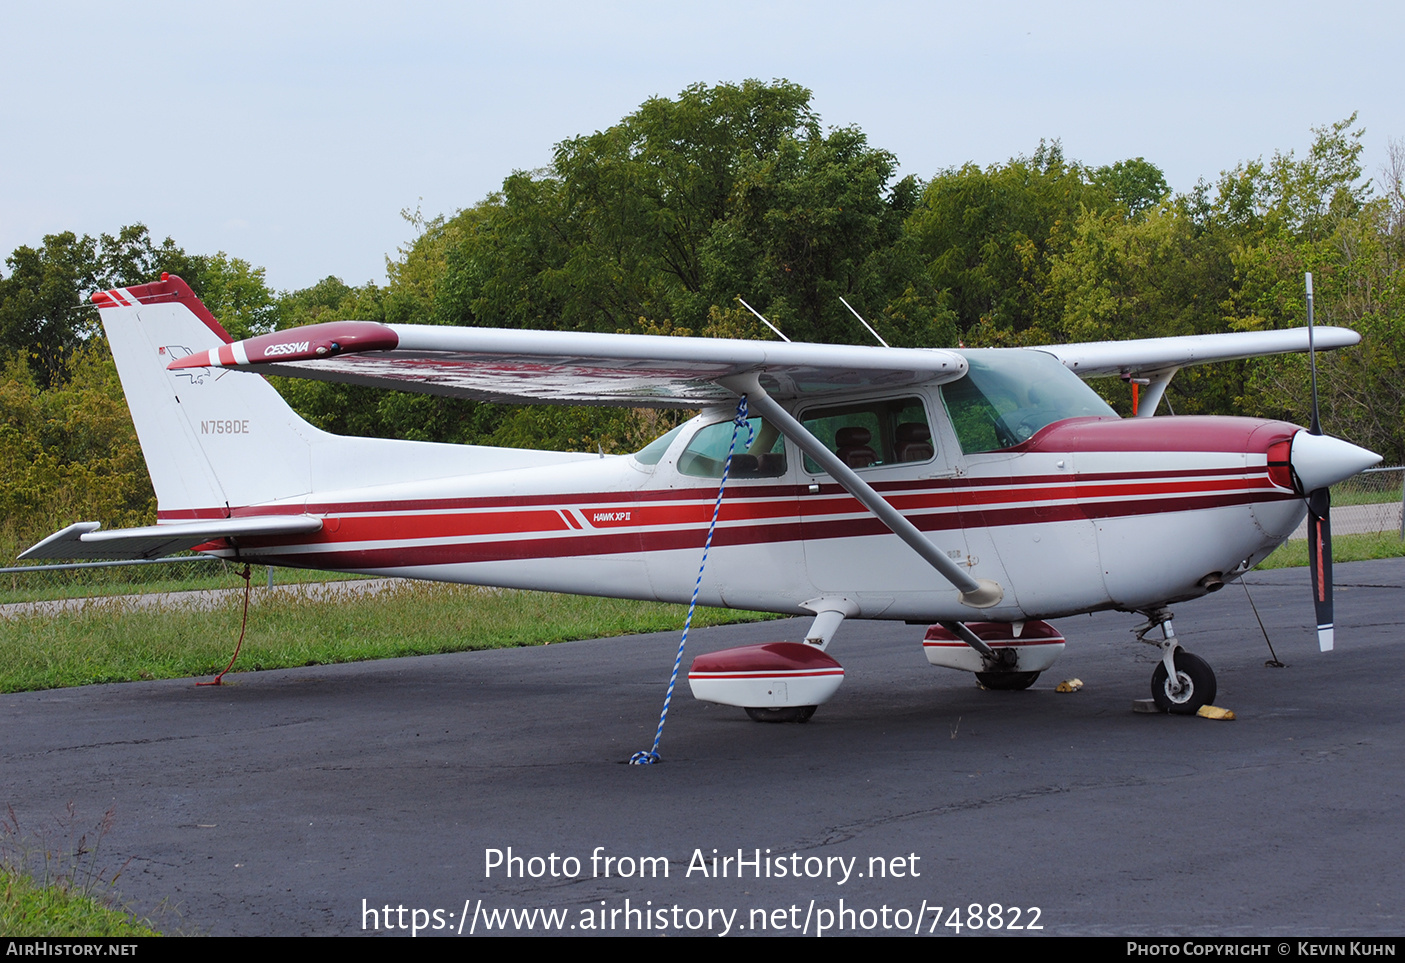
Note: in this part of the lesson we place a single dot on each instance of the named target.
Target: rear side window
(872, 434)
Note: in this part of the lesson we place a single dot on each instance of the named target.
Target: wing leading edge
(564, 367)
(491, 364)
(1151, 357)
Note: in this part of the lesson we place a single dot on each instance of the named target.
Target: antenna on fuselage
(864, 323)
(763, 320)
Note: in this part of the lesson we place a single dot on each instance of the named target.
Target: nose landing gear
(1195, 685)
(1182, 682)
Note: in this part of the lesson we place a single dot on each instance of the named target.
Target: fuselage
(1087, 513)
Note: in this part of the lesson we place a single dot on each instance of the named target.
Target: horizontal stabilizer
(83, 540)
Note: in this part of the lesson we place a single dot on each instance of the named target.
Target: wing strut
(977, 593)
(1154, 390)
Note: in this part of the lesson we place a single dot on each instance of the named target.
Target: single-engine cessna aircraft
(984, 491)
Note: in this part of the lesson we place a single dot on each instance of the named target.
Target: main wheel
(1006, 681)
(1197, 681)
(787, 714)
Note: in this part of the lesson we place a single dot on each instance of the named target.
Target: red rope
(243, 626)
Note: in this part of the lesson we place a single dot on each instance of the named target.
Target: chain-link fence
(1370, 502)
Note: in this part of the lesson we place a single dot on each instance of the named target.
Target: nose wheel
(1194, 686)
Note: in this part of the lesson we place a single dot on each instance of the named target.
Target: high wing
(1153, 357)
(1155, 361)
(492, 364)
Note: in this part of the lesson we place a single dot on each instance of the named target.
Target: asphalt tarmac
(372, 798)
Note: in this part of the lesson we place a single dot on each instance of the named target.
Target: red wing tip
(324, 340)
(200, 360)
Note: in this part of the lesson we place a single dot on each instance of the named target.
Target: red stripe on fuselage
(969, 490)
(566, 545)
(467, 530)
(361, 528)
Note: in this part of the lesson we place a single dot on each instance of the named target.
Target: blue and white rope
(652, 756)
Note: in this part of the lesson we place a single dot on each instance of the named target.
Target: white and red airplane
(984, 491)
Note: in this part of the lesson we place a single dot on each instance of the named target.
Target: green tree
(1151, 276)
(987, 237)
(661, 221)
(42, 311)
(818, 219)
(68, 453)
(1136, 184)
(45, 311)
(236, 293)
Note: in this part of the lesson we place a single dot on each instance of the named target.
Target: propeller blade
(1316, 426)
(1320, 562)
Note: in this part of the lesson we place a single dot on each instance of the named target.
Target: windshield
(654, 450)
(1008, 395)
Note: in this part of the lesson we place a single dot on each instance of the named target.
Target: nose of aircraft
(1321, 460)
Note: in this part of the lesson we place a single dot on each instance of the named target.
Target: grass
(1343, 495)
(53, 884)
(30, 909)
(1345, 548)
(110, 641)
(1371, 487)
(138, 580)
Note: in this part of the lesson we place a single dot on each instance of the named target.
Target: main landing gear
(1005, 656)
(774, 682)
(1182, 682)
(1006, 681)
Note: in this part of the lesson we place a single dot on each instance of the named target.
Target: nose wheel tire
(786, 714)
(1197, 681)
(1006, 681)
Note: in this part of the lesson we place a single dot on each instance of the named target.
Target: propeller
(1319, 460)
(1319, 509)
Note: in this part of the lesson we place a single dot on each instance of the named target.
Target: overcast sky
(292, 135)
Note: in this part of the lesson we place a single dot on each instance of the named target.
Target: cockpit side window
(706, 454)
(872, 434)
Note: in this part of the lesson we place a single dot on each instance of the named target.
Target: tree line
(659, 223)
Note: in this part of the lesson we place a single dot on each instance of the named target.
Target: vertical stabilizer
(213, 440)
